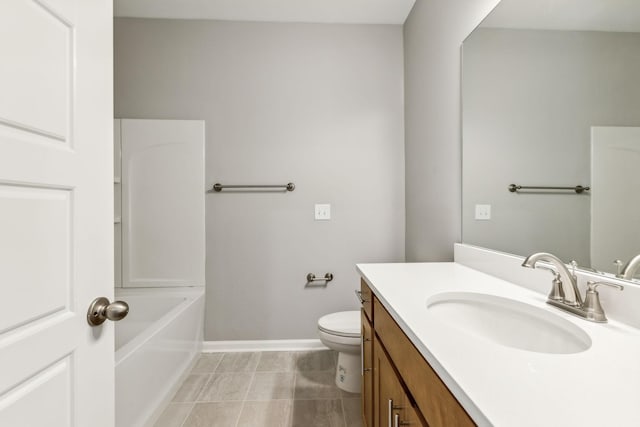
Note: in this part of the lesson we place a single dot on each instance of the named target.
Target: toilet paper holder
(326, 278)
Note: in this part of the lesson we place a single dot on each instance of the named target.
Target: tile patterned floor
(268, 389)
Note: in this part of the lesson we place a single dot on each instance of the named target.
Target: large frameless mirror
(551, 98)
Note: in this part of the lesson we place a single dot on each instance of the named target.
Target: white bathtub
(155, 346)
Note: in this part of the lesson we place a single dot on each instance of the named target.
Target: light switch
(483, 212)
(323, 212)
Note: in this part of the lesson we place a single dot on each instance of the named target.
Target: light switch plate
(323, 212)
(483, 212)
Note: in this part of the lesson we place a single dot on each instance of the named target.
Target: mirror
(551, 98)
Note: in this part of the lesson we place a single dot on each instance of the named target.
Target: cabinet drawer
(436, 403)
(366, 298)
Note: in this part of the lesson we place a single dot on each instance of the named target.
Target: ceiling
(574, 15)
(312, 11)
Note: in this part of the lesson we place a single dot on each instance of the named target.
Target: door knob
(101, 309)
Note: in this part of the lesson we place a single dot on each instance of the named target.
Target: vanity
(520, 362)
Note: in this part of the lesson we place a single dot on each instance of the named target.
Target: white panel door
(615, 182)
(56, 205)
(163, 193)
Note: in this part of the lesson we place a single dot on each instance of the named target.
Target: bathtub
(156, 344)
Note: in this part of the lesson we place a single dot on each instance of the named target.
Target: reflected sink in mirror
(508, 322)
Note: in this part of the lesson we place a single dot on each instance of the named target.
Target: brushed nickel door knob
(101, 309)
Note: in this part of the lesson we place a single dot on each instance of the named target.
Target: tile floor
(267, 389)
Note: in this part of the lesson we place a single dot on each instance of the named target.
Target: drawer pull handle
(359, 295)
(392, 407)
(398, 423)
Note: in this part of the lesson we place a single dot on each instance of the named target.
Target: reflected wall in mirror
(551, 97)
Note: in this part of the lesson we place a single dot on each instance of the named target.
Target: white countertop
(506, 387)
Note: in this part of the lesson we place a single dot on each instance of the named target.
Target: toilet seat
(342, 324)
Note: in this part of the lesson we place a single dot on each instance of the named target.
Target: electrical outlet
(323, 212)
(483, 212)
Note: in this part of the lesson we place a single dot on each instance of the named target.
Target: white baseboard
(262, 345)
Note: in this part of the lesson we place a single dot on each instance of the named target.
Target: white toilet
(341, 332)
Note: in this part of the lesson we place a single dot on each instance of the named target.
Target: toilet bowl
(341, 332)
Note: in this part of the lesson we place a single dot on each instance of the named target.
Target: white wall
(319, 105)
(433, 34)
(530, 99)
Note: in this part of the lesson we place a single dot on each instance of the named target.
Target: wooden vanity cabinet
(401, 375)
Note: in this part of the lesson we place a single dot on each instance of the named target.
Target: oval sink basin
(508, 322)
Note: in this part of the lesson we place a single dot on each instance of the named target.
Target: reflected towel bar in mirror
(578, 188)
(217, 187)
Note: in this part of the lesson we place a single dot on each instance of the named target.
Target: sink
(508, 322)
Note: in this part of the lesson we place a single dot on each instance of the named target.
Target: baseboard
(262, 345)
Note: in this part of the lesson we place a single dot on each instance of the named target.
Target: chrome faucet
(630, 268)
(590, 309)
(557, 292)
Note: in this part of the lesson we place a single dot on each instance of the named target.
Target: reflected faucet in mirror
(629, 269)
(590, 309)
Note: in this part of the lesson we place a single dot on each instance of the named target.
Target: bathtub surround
(319, 105)
(159, 203)
(433, 34)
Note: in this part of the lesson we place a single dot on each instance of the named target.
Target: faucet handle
(591, 286)
(592, 307)
(556, 293)
(618, 263)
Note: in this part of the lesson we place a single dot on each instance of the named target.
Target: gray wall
(433, 34)
(530, 99)
(319, 105)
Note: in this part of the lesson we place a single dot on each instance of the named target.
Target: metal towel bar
(217, 187)
(578, 188)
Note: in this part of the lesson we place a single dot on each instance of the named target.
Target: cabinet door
(367, 372)
(393, 407)
(387, 389)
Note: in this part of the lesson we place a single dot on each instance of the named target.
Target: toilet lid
(344, 323)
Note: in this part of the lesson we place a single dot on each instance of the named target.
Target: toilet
(341, 332)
